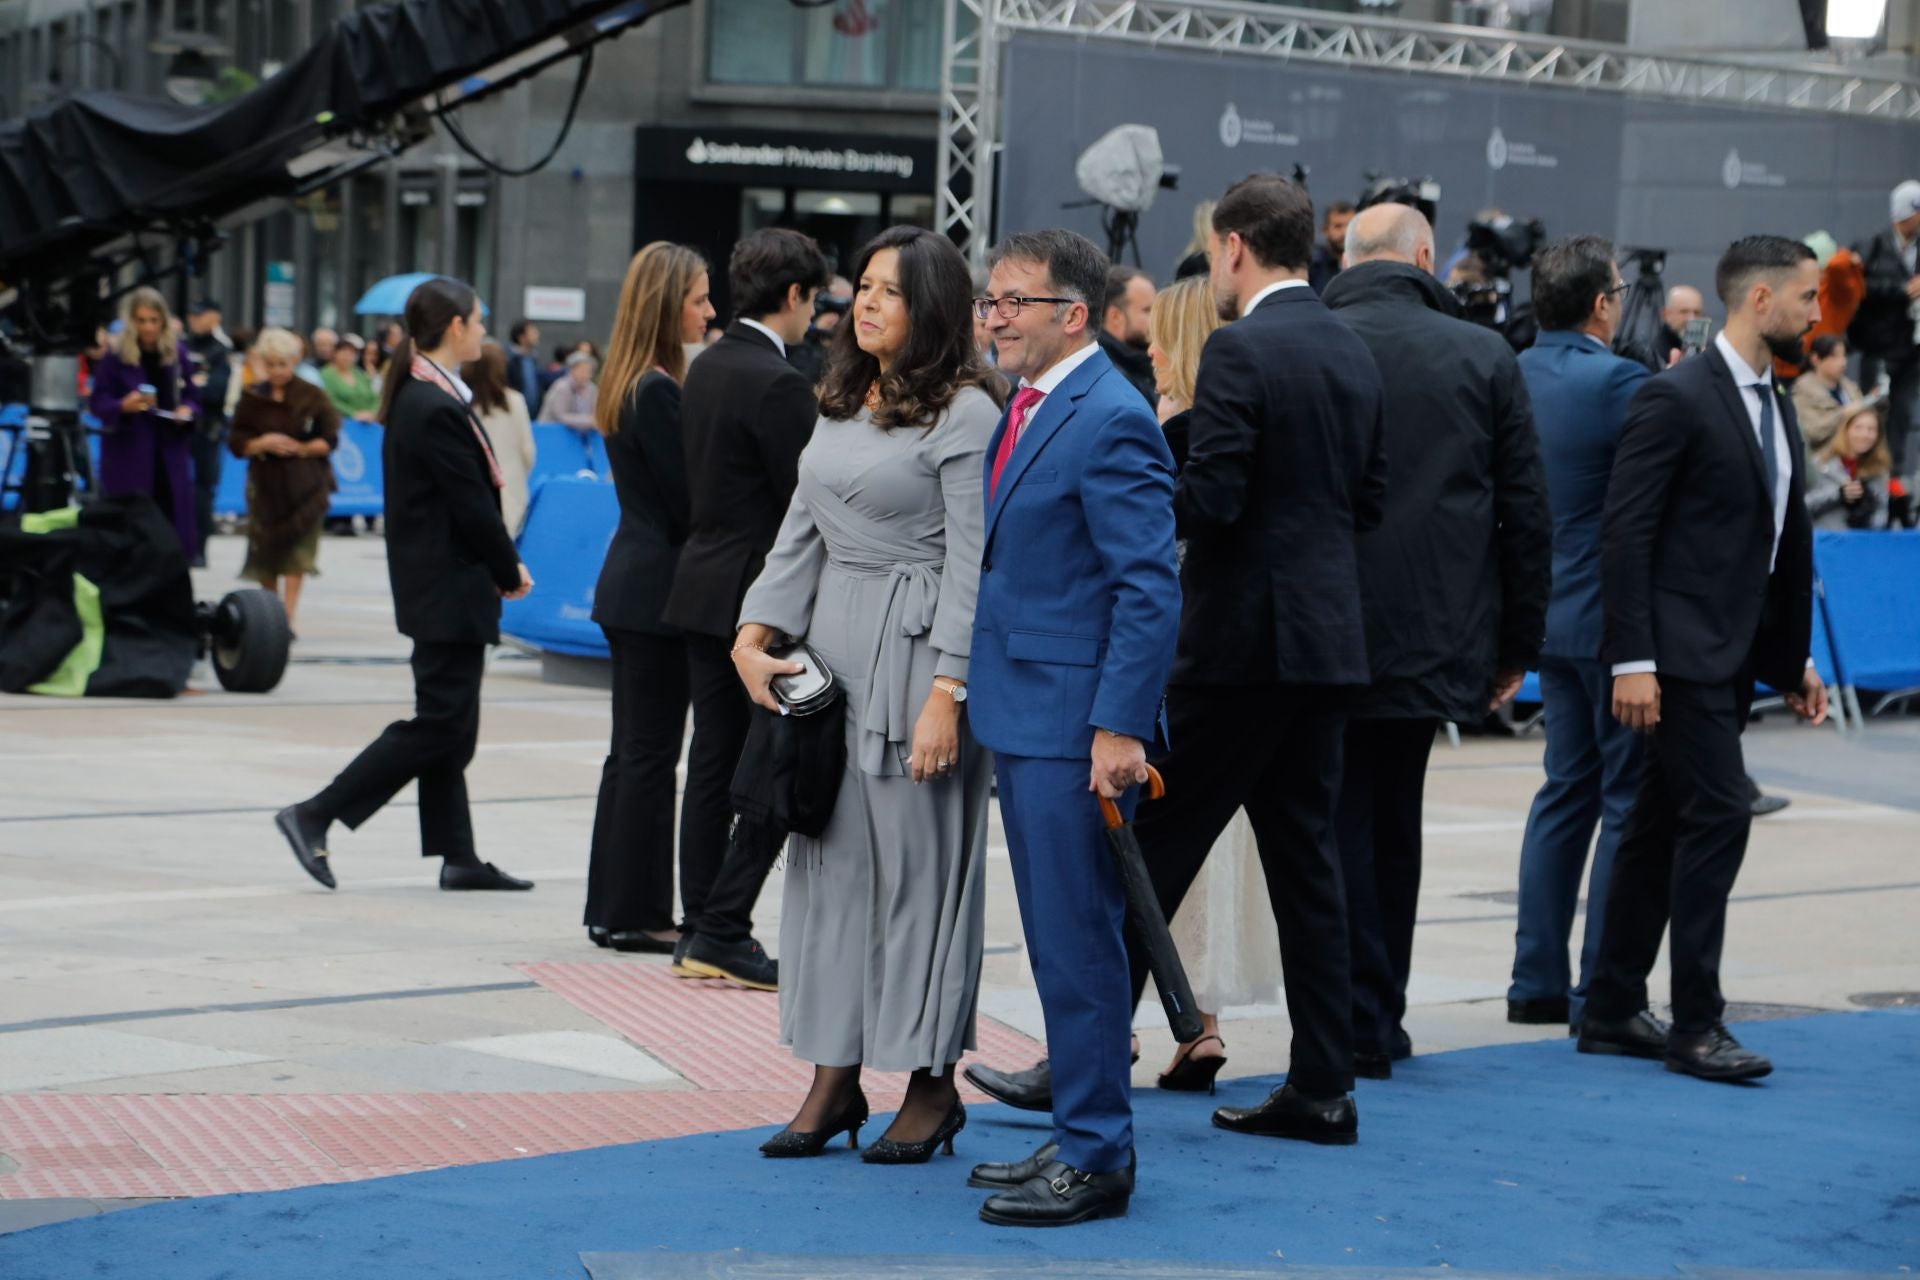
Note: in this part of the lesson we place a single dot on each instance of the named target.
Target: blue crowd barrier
(561, 453)
(569, 525)
(1868, 580)
(357, 470)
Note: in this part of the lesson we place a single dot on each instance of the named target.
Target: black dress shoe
(478, 875)
(1029, 1090)
(1289, 1113)
(640, 940)
(1764, 804)
(888, 1151)
(1542, 1012)
(307, 834)
(598, 936)
(743, 961)
(1641, 1036)
(999, 1177)
(1714, 1054)
(1402, 1045)
(1059, 1196)
(1373, 1066)
(794, 1143)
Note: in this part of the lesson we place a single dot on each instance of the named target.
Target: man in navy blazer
(1580, 392)
(1074, 634)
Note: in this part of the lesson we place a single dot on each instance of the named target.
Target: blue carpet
(1523, 1158)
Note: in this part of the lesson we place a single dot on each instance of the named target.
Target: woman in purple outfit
(148, 432)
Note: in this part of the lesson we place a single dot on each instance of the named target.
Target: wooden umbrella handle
(1156, 787)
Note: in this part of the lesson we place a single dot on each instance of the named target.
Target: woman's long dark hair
(487, 378)
(938, 359)
(431, 307)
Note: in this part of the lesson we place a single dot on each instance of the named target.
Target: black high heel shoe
(887, 1151)
(793, 1143)
(1191, 1074)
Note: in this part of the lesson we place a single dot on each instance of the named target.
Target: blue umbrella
(389, 297)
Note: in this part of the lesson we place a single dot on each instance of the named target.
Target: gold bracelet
(757, 648)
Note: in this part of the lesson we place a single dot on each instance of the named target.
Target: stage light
(1855, 19)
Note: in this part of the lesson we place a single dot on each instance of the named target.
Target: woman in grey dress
(877, 566)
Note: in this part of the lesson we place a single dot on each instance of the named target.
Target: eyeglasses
(1616, 290)
(1009, 308)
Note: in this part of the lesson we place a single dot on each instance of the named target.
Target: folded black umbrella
(1148, 921)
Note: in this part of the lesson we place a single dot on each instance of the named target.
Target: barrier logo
(1736, 172)
(348, 462)
(1730, 171)
(1230, 128)
(1497, 149)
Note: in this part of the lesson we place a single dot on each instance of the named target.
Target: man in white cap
(1886, 329)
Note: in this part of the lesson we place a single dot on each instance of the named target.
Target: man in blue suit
(1580, 392)
(1074, 633)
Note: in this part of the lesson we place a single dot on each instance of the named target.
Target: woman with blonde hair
(286, 428)
(664, 306)
(145, 398)
(1223, 927)
(1194, 261)
(1852, 472)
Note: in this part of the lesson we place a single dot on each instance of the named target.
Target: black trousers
(1379, 830)
(433, 748)
(1679, 855)
(717, 890)
(630, 872)
(209, 447)
(1287, 777)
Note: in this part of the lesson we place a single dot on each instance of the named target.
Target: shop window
(853, 44)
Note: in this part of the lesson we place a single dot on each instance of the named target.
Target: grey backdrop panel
(1687, 179)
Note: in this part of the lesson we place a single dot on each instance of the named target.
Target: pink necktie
(1024, 401)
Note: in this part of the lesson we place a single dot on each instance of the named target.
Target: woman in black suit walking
(663, 307)
(450, 561)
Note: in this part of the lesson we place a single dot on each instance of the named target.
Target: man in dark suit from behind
(1580, 392)
(1453, 585)
(1126, 317)
(1885, 329)
(745, 415)
(1707, 585)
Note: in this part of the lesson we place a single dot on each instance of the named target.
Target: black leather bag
(809, 691)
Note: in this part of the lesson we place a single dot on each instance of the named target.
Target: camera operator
(212, 353)
(809, 355)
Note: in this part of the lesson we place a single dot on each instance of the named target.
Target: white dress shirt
(778, 341)
(1752, 386)
(1047, 382)
(1268, 292)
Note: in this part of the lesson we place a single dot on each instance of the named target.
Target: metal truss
(969, 105)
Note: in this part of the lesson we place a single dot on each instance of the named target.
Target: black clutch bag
(805, 692)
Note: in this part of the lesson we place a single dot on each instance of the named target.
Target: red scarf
(427, 371)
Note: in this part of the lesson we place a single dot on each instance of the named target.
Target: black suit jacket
(449, 555)
(745, 414)
(1285, 465)
(649, 462)
(1688, 532)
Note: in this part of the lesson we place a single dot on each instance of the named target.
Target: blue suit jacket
(1580, 394)
(1079, 605)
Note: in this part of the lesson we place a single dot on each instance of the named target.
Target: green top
(351, 393)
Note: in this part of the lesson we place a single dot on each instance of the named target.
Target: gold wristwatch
(952, 688)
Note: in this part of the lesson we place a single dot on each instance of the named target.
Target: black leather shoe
(1641, 1036)
(1764, 804)
(888, 1151)
(1289, 1113)
(1714, 1054)
(1029, 1090)
(745, 962)
(794, 1143)
(1373, 1066)
(1542, 1012)
(308, 836)
(481, 875)
(639, 940)
(1059, 1196)
(1402, 1045)
(598, 936)
(999, 1177)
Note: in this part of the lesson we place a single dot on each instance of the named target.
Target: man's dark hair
(768, 263)
(1826, 344)
(203, 306)
(519, 331)
(1274, 217)
(1074, 263)
(1118, 280)
(1334, 207)
(1567, 276)
(1750, 257)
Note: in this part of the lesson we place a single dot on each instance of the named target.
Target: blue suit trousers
(1073, 912)
(1593, 765)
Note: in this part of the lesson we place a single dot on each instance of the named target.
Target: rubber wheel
(249, 640)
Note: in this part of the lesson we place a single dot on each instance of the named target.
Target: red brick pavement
(718, 1037)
